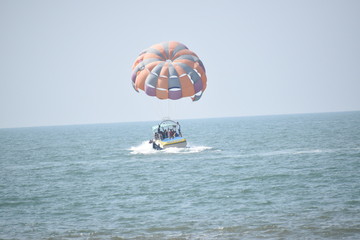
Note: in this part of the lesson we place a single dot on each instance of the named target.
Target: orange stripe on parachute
(186, 85)
(152, 55)
(160, 48)
(162, 94)
(142, 75)
(172, 46)
(140, 79)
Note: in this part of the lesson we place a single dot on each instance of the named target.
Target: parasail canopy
(169, 70)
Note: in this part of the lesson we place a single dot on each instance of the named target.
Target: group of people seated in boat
(167, 133)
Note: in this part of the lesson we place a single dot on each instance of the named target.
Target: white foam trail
(311, 151)
(143, 148)
(189, 149)
(146, 148)
(297, 152)
(199, 148)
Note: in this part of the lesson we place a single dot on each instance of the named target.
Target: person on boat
(160, 133)
(171, 133)
(179, 129)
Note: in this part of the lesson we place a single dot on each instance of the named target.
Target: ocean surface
(268, 177)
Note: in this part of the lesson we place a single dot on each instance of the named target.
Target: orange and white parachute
(169, 70)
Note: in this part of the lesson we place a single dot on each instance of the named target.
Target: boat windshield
(167, 129)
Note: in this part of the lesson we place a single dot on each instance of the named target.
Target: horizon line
(185, 119)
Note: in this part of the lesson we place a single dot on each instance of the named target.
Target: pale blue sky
(69, 62)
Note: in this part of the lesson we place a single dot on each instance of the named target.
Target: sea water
(272, 177)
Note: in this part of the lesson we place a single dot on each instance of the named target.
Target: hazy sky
(69, 62)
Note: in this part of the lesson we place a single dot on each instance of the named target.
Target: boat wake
(145, 148)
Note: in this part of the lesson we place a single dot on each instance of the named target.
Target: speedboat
(167, 134)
